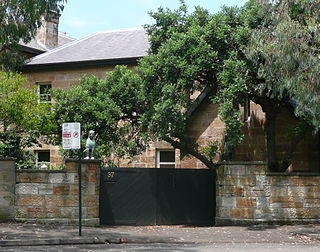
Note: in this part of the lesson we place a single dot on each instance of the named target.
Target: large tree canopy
(19, 20)
(199, 52)
(287, 53)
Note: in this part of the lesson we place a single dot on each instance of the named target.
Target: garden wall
(49, 196)
(248, 194)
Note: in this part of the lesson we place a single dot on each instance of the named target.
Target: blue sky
(81, 18)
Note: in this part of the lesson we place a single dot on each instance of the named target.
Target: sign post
(71, 140)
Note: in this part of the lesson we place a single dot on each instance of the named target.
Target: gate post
(7, 189)
(90, 173)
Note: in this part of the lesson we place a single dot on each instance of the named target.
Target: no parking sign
(71, 133)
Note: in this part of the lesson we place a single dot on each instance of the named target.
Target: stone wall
(248, 194)
(52, 196)
(7, 183)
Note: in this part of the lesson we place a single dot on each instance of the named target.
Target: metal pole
(80, 194)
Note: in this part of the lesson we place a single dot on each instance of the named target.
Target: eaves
(79, 64)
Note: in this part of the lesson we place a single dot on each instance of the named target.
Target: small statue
(90, 145)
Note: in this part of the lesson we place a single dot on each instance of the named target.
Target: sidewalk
(22, 234)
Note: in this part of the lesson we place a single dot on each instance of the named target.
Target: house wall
(205, 126)
(52, 196)
(64, 78)
(148, 159)
(248, 194)
(306, 157)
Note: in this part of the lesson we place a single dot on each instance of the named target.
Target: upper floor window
(44, 91)
(166, 159)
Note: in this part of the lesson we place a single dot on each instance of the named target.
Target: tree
(22, 118)
(197, 52)
(286, 55)
(186, 55)
(109, 107)
(19, 20)
(191, 53)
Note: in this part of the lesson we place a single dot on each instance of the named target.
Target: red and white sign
(71, 133)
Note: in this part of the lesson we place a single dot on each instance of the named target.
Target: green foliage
(14, 146)
(19, 107)
(19, 20)
(109, 107)
(23, 119)
(287, 56)
(211, 150)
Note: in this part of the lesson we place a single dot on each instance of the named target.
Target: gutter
(79, 64)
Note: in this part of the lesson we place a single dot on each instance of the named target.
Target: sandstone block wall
(52, 196)
(7, 186)
(247, 194)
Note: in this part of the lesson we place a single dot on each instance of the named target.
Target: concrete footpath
(24, 234)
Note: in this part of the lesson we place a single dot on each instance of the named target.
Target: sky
(82, 18)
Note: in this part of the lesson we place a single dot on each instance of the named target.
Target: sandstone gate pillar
(7, 189)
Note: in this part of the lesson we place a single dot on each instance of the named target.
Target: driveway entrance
(143, 196)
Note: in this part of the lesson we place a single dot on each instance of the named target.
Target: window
(44, 90)
(43, 159)
(166, 159)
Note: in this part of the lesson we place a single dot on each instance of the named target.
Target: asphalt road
(216, 247)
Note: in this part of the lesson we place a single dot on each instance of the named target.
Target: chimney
(47, 34)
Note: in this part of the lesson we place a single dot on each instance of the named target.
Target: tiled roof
(107, 45)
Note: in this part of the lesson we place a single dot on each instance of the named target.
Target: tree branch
(190, 150)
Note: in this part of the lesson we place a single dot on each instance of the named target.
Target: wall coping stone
(40, 171)
(83, 161)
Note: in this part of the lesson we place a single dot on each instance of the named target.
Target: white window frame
(42, 164)
(39, 84)
(165, 163)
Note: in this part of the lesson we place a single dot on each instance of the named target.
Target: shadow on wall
(206, 127)
(253, 147)
(305, 158)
